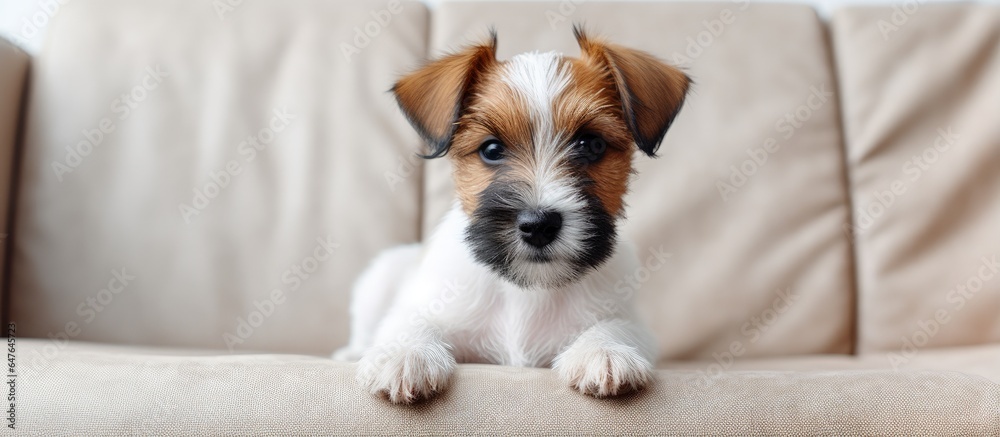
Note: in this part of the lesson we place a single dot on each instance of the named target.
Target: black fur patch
(601, 238)
(492, 235)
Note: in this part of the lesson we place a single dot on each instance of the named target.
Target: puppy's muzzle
(539, 228)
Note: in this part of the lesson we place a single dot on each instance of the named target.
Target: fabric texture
(111, 393)
(972, 360)
(920, 100)
(137, 108)
(182, 163)
(13, 72)
(758, 263)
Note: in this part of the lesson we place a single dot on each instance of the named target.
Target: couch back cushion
(921, 87)
(746, 202)
(203, 175)
(14, 65)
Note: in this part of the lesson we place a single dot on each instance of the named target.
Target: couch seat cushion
(85, 389)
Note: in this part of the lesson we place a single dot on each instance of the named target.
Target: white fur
(380, 281)
(538, 79)
(449, 308)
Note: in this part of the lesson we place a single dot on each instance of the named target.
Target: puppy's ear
(651, 92)
(432, 97)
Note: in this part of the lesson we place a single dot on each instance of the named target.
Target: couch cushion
(79, 392)
(13, 72)
(758, 260)
(972, 360)
(920, 93)
(235, 147)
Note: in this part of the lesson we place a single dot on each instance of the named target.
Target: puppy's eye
(589, 148)
(492, 151)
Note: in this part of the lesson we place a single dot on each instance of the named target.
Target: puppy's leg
(413, 366)
(610, 358)
(373, 295)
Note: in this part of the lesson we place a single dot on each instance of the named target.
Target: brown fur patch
(590, 105)
(432, 97)
(494, 110)
(625, 96)
(651, 92)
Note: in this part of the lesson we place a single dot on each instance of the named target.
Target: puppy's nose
(539, 228)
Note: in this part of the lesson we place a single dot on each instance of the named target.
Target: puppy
(521, 271)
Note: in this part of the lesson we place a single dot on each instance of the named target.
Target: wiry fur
(476, 292)
(452, 308)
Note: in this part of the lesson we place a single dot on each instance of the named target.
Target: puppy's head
(542, 147)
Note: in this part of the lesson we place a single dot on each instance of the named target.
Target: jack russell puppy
(521, 271)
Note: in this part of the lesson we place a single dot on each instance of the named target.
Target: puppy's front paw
(603, 370)
(406, 374)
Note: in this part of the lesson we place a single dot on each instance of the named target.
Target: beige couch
(194, 185)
